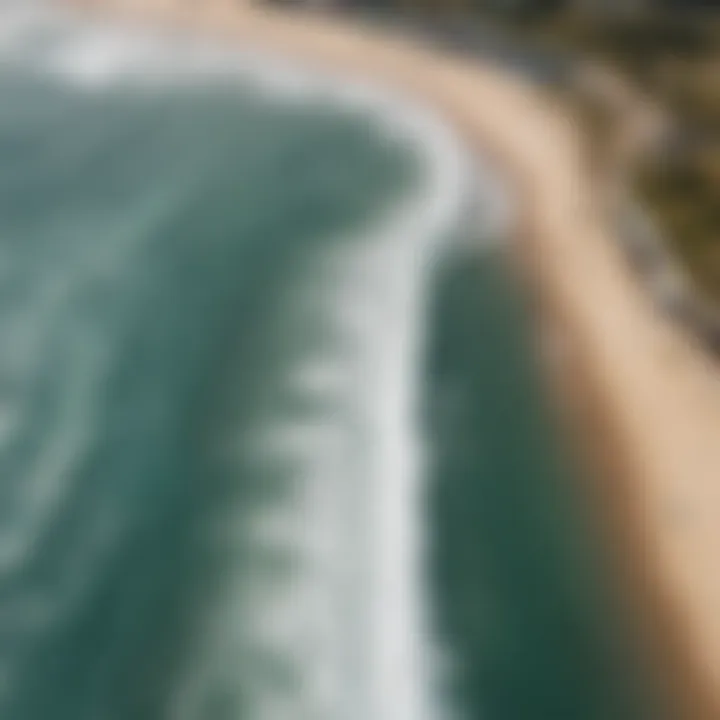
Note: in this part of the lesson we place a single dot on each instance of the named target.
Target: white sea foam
(354, 519)
(324, 587)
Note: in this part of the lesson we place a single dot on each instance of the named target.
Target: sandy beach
(646, 397)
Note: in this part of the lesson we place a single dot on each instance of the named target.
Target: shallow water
(271, 441)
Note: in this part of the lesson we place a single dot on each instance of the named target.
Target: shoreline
(647, 393)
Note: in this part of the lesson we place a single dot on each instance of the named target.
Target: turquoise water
(271, 442)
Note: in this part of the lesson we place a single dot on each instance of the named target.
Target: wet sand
(646, 398)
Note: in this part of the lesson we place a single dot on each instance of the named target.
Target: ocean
(273, 441)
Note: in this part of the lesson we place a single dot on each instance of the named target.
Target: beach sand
(646, 398)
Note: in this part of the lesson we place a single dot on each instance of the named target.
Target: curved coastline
(428, 215)
(648, 399)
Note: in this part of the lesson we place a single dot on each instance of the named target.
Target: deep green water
(521, 582)
(250, 366)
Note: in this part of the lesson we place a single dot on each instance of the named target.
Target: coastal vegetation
(672, 59)
(668, 51)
